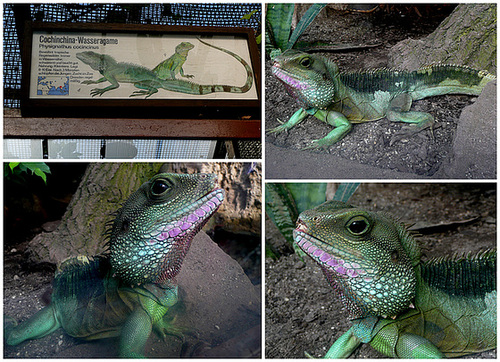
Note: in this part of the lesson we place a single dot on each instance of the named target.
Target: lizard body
(401, 306)
(147, 80)
(340, 99)
(169, 68)
(129, 290)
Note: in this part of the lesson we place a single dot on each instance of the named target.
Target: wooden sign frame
(140, 71)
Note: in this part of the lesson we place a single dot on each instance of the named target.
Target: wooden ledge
(34, 127)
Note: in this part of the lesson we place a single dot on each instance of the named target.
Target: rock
(474, 146)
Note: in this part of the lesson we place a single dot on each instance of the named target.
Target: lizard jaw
(325, 259)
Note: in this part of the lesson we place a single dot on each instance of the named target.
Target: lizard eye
(358, 225)
(159, 187)
(306, 62)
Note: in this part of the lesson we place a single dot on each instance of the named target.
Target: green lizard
(401, 306)
(127, 291)
(340, 99)
(147, 80)
(169, 68)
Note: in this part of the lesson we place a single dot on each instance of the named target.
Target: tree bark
(466, 37)
(101, 192)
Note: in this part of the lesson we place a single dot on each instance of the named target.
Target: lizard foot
(164, 328)
(282, 127)
(97, 92)
(320, 144)
(143, 93)
(411, 130)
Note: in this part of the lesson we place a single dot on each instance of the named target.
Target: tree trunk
(101, 192)
(466, 37)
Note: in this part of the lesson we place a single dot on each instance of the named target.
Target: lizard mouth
(179, 233)
(287, 78)
(334, 263)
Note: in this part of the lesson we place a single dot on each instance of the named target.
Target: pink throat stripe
(324, 258)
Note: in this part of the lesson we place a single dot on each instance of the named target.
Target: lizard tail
(226, 88)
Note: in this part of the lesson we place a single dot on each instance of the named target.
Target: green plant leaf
(13, 165)
(281, 209)
(307, 195)
(304, 23)
(249, 15)
(345, 191)
(38, 168)
(279, 23)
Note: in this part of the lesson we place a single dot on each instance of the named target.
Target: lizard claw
(316, 145)
(282, 127)
(143, 93)
(97, 92)
(163, 328)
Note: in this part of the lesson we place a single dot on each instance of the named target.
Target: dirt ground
(368, 144)
(301, 310)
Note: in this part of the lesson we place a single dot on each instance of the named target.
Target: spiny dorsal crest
(468, 275)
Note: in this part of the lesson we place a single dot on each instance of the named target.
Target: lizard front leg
(294, 120)
(344, 346)
(91, 81)
(100, 91)
(185, 75)
(135, 333)
(39, 325)
(335, 119)
(394, 343)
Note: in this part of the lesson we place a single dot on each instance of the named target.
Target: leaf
(258, 39)
(249, 15)
(307, 195)
(279, 23)
(304, 23)
(13, 165)
(345, 191)
(38, 168)
(281, 209)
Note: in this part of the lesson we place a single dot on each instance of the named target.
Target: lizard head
(183, 48)
(308, 78)
(152, 232)
(96, 61)
(367, 257)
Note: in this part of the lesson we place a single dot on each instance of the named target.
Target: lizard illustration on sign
(169, 68)
(149, 81)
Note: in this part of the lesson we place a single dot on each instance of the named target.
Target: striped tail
(231, 89)
(450, 79)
